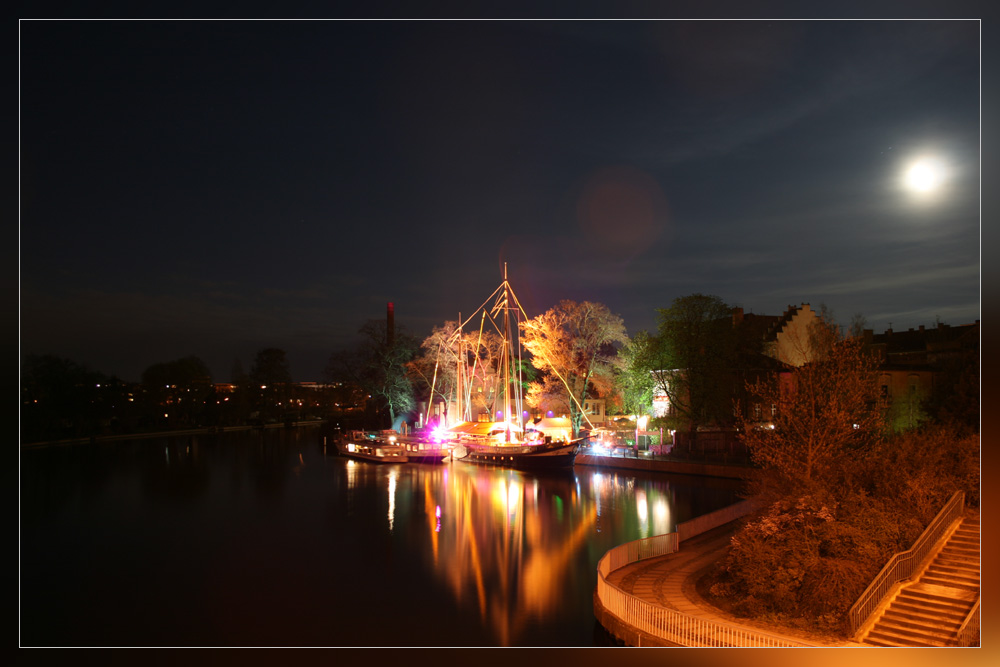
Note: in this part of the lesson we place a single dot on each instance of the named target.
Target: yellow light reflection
(392, 498)
(643, 511)
(352, 474)
(432, 510)
(661, 517)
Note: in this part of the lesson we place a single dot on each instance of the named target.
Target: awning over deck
(481, 428)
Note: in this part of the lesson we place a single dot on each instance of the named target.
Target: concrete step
(921, 632)
(889, 637)
(947, 582)
(958, 550)
(959, 601)
(907, 618)
(958, 559)
(923, 613)
(958, 569)
(966, 535)
(950, 581)
(966, 575)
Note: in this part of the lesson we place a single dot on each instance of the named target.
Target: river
(269, 538)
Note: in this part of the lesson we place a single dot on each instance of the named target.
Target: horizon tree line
(576, 352)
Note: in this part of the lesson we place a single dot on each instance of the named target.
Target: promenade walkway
(669, 581)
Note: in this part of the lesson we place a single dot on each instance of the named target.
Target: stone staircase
(930, 610)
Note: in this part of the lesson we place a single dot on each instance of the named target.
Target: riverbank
(162, 434)
(704, 469)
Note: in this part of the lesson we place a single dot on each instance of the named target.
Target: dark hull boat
(523, 456)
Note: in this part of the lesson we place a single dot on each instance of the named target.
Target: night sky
(215, 188)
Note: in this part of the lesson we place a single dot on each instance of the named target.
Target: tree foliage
(187, 372)
(435, 371)
(693, 359)
(954, 399)
(61, 398)
(184, 389)
(378, 366)
(571, 344)
(633, 377)
(270, 367)
(827, 411)
(809, 557)
(840, 494)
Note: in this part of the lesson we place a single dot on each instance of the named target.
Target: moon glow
(924, 176)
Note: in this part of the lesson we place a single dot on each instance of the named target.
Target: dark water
(271, 539)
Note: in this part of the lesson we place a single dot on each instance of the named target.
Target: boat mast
(506, 352)
(459, 416)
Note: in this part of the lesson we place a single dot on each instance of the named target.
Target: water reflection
(512, 546)
(271, 539)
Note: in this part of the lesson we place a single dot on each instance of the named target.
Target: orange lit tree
(828, 413)
(572, 345)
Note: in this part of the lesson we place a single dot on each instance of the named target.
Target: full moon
(924, 176)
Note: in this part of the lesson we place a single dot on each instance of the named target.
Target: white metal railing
(968, 634)
(668, 624)
(902, 565)
(706, 522)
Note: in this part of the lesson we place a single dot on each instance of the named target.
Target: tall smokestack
(390, 325)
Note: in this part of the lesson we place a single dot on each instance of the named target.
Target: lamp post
(640, 425)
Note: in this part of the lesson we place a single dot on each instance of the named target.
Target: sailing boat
(506, 441)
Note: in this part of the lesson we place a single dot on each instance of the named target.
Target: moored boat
(559, 454)
(512, 441)
(419, 450)
(366, 446)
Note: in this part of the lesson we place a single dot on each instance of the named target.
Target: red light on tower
(390, 324)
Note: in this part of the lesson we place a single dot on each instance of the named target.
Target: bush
(811, 557)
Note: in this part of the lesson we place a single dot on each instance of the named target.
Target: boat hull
(359, 446)
(428, 458)
(373, 458)
(527, 457)
(423, 451)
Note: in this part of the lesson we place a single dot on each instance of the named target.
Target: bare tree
(378, 366)
(827, 412)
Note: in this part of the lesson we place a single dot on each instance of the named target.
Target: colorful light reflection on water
(270, 539)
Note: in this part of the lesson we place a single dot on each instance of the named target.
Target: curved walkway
(669, 581)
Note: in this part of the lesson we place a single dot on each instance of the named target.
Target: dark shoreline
(164, 434)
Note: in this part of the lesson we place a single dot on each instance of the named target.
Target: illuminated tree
(571, 344)
(446, 355)
(633, 378)
(434, 372)
(828, 412)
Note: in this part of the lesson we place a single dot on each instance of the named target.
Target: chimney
(390, 325)
(737, 316)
